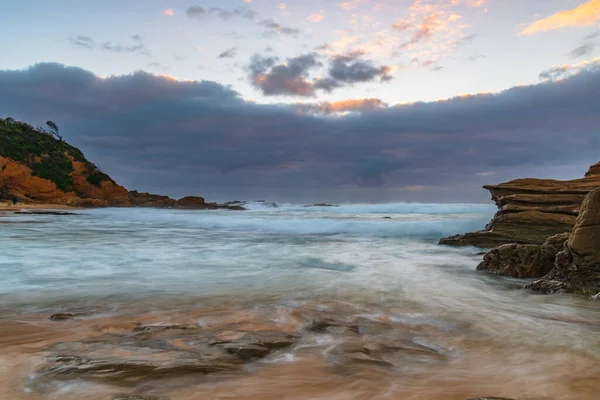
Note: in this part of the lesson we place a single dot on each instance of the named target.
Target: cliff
(531, 210)
(37, 166)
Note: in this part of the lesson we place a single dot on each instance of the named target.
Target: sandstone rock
(531, 210)
(523, 261)
(579, 264)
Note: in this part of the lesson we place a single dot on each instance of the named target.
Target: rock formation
(577, 268)
(523, 260)
(531, 210)
(36, 167)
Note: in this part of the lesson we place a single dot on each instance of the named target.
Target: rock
(523, 261)
(44, 213)
(190, 202)
(156, 351)
(531, 210)
(145, 199)
(490, 398)
(127, 397)
(66, 316)
(321, 205)
(548, 286)
(579, 264)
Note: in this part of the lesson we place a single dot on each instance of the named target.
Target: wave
(386, 208)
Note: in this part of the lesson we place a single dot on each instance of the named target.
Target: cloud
(352, 4)
(229, 53)
(342, 106)
(275, 27)
(352, 69)
(424, 32)
(583, 50)
(291, 78)
(584, 15)
(315, 18)
(567, 70)
(169, 12)
(136, 47)
(83, 41)
(241, 12)
(196, 12)
(157, 133)
(294, 76)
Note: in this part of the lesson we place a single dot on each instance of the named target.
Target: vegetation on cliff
(48, 156)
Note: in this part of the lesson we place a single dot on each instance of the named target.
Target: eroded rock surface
(157, 351)
(578, 266)
(524, 261)
(531, 210)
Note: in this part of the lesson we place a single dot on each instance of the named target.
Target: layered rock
(524, 260)
(578, 266)
(531, 210)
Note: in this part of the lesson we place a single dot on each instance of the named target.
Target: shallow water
(265, 267)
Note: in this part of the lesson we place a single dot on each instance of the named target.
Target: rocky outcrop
(531, 210)
(578, 266)
(138, 199)
(37, 167)
(524, 260)
(17, 181)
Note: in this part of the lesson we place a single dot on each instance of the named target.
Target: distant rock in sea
(321, 205)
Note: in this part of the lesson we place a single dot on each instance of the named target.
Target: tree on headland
(54, 130)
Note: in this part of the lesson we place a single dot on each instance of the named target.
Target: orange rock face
(108, 192)
(17, 180)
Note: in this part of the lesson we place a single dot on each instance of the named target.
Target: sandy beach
(8, 206)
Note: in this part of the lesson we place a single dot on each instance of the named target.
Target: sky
(342, 101)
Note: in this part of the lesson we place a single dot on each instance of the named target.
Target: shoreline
(9, 207)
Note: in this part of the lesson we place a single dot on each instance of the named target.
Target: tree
(54, 131)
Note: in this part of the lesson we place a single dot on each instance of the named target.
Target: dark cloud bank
(157, 134)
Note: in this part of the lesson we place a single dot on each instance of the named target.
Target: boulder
(531, 210)
(190, 202)
(523, 260)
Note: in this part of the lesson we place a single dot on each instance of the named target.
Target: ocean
(374, 261)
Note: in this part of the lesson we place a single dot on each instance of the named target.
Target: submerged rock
(158, 351)
(45, 213)
(490, 398)
(523, 261)
(67, 316)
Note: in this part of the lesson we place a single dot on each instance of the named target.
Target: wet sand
(417, 360)
(10, 207)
